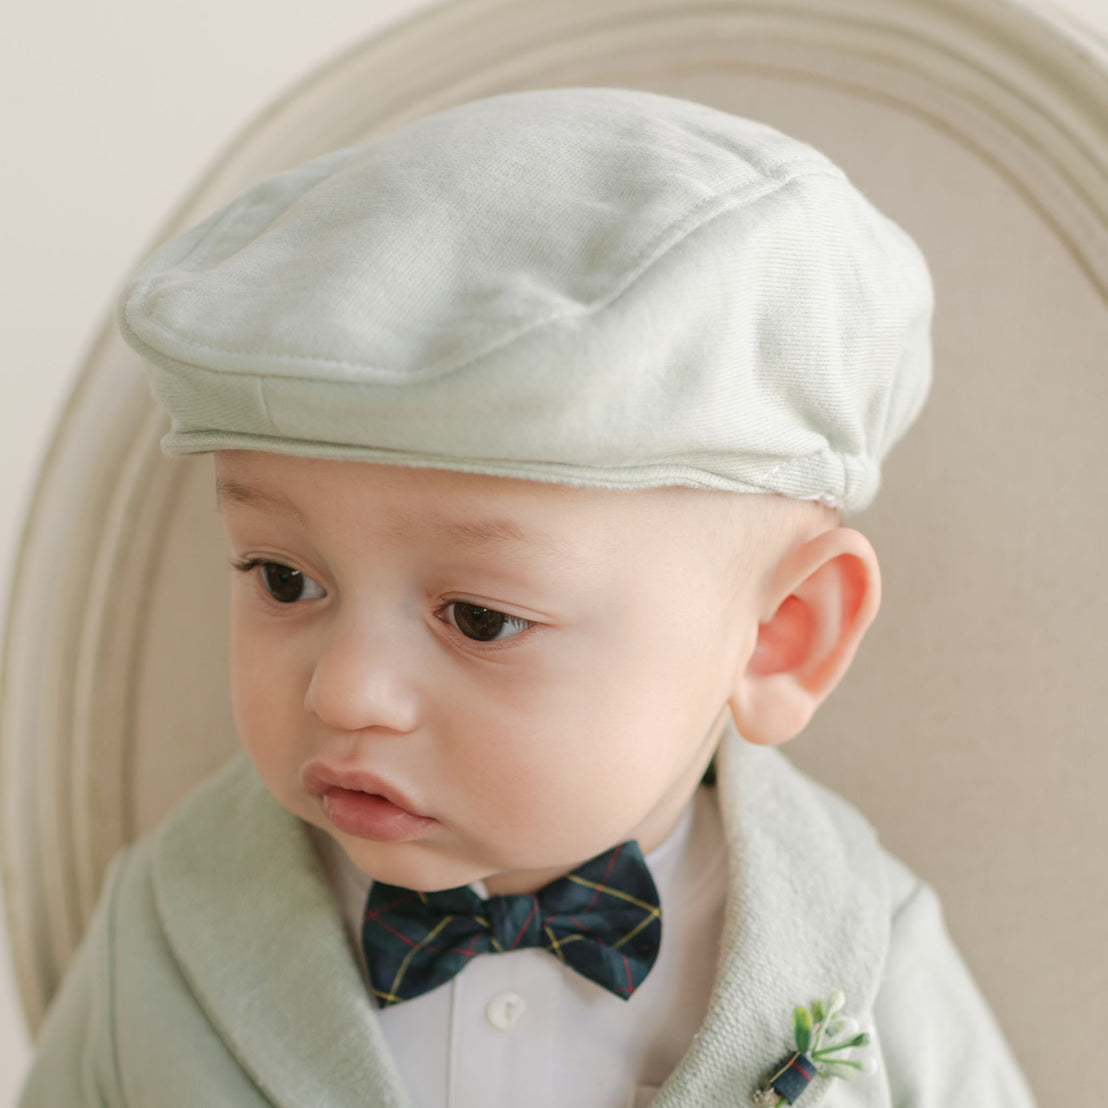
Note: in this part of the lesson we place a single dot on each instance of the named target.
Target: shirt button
(505, 1010)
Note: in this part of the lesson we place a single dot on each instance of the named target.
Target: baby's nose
(363, 681)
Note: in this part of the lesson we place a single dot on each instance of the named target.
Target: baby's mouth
(371, 816)
(363, 805)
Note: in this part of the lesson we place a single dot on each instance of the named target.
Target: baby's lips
(319, 777)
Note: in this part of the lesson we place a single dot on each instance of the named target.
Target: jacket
(216, 970)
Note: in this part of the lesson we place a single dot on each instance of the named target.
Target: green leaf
(802, 1028)
(819, 1013)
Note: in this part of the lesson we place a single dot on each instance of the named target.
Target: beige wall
(108, 111)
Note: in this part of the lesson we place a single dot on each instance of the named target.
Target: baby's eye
(288, 585)
(484, 624)
(285, 584)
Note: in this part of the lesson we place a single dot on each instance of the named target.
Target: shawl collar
(807, 911)
(256, 932)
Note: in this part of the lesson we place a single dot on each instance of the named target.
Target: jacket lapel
(807, 911)
(273, 973)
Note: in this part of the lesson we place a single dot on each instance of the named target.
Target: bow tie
(603, 920)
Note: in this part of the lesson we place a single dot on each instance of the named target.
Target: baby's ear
(818, 602)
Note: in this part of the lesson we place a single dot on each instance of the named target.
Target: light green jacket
(216, 970)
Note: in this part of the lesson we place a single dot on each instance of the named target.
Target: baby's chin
(410, 865)
(419, 866)
(411, 869)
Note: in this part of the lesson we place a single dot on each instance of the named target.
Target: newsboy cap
(595, 286)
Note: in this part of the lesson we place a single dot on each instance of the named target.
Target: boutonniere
(827, 1043)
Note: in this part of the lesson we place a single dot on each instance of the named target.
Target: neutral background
(109, 112)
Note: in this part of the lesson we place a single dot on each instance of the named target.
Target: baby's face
(463, 677)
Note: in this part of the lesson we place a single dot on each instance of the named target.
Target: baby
(533, 426)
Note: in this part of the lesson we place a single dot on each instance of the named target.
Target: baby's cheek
(267, 722)
(249, 703)
(583, 808)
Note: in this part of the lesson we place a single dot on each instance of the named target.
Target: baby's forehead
(424, 499)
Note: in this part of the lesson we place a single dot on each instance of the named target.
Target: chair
(969, 728)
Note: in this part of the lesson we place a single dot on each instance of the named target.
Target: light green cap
(594, 286)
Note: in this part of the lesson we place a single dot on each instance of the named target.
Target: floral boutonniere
(827, 1043)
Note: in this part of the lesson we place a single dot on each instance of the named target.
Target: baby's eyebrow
(227, 488)
(491, 531)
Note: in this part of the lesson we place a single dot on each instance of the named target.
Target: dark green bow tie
(603, 920)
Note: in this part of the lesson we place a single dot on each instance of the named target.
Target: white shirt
(522, 1028)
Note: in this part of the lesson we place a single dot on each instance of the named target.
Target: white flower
(845, 1028)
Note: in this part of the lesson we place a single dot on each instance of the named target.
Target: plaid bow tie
(603, 920)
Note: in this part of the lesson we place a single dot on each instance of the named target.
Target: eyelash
(246, 565)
